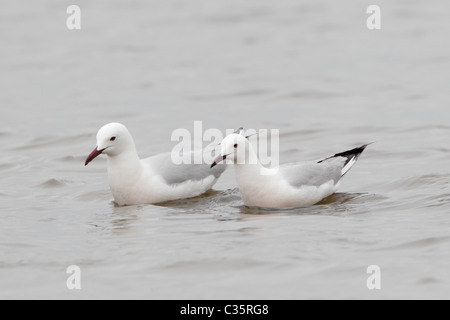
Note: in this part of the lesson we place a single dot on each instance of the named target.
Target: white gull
(152, 180)
(289, 186)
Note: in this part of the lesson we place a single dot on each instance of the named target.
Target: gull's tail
(351, 155)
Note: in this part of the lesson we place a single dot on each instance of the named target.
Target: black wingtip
(350, 154)
(239, 130)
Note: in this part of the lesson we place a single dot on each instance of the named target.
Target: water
(309, 68)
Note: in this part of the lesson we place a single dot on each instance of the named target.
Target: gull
(152, 180)
(288, 186)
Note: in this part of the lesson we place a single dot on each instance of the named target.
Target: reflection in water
(117, 220)
(191, 202)
(221, 204)
(339, 198)
(123, 218)
(338, 203)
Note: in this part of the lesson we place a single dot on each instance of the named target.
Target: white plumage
(152, 180)
(292, 185)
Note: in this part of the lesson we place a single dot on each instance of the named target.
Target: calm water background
(309, 68)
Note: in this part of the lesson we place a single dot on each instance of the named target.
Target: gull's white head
(234, 147)
(112, 140)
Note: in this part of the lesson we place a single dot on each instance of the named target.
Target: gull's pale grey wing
(313, 173)
(163, 165)
(316, 174)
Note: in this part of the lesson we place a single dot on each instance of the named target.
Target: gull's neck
(251, 169)
(124, 173)
(254, 184)
(126, 163)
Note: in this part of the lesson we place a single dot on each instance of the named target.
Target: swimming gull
(289, 186)
(152, 180)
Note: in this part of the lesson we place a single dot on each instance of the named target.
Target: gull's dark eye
(235, 145)
(112, 139)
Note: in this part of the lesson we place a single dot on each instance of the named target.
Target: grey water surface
(311, 69)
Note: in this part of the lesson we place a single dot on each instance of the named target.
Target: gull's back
(173, 174)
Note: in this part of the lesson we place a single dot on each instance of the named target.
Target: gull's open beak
(218, 160)
(94, 154)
